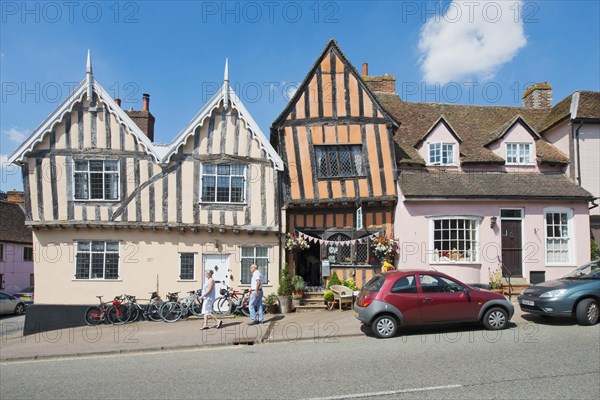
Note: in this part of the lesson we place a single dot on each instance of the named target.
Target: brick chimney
(16, 197)
(365, 69)
(144, 119)
(538, 96)
(384, 84)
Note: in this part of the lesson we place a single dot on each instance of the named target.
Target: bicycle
(130, 311)
(104, 312)
(231, 303)
(172, 311)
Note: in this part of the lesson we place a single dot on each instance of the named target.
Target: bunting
(312, 239)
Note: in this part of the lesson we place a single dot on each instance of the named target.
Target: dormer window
(518, 153)
(441, 153)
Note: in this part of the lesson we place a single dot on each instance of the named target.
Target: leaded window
(97, 260)
(455, 240)
(186, 266)
(339, 161)
(223, 183)
(345, 250)
(96, 180)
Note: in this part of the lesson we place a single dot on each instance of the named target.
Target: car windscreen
(375, 283)
(587, 271)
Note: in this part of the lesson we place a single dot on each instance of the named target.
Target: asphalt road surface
(537, 361)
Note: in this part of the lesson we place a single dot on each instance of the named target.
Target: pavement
(148, 336)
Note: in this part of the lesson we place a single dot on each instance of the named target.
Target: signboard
(325, 268)
(359, 218)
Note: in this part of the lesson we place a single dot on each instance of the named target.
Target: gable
(333, 90)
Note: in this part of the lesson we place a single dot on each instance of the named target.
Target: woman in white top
(208, 298)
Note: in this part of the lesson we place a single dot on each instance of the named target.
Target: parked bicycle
(105, 312)
(172, 311)
(131, 310)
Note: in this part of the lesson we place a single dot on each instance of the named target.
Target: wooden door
(512, 247)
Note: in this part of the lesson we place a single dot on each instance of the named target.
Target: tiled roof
(474, 124)
(12, 224)
(588, 107)
(490, 185)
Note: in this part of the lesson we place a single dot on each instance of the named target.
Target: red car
(419, 297)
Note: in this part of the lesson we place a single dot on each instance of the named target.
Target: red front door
(444, 300)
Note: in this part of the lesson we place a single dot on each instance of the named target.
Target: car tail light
(364, 301)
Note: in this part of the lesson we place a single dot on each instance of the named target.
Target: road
(531, 360)
(11, 323)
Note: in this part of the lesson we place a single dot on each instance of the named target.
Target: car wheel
(20, 309)
(384, 326)
(587, 312)
(495, 318)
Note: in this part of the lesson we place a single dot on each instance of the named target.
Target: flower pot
(273, 309)
(286, 304)
(295, 303)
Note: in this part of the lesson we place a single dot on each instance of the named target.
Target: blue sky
(472, 53)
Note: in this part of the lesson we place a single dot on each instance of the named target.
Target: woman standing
(208, 298)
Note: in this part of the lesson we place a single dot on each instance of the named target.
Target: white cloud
(16, 134)
(471, 38)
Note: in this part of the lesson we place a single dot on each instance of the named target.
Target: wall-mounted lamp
(493, 222)
(217, 245)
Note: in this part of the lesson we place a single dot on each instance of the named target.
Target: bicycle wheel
(133, 313)
(116, 316)
(171, 311)
(196, 308)
(93, 315)
(223, 306)
(154, 312)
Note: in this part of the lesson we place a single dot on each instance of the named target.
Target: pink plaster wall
(412, 229)
(16, 272)
(517, 134)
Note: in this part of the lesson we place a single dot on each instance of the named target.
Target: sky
(466, 52)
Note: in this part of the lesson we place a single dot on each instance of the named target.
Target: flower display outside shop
(384, 248)
(295, 243)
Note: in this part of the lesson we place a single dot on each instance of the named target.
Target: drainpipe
(578, 153)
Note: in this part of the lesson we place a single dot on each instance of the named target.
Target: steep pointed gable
(310, 92)
(501, 131)
(85, 90)
(225, 97)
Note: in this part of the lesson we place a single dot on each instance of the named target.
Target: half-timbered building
(339, 184)
(112, 212)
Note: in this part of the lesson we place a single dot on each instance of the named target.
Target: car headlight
(554, 293)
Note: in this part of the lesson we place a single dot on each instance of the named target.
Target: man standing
(256, 296)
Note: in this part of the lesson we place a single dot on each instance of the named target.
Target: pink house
(481, 190)
(16, 250)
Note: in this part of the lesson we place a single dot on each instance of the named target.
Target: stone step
(311, 307)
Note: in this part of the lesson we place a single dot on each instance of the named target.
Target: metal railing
(509, 274)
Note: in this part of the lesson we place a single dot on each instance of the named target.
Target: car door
(404, 296)
(444, 300)
(5, 304)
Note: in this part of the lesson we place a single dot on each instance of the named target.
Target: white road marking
(385, 393)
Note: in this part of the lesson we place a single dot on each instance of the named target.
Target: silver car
(10, 305)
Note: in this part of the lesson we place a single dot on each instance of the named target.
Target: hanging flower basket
(295, 243)
(384, 248)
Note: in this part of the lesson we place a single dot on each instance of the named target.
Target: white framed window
(224, 183)
(454, 239)
(98, 260)
(558, 222)
(518, 153)
(334, 161)
(186, 267)
(441, 153)
(96, 180)
(258, 256)
(1, 251)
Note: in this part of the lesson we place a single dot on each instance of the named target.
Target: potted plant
(495, 280)
(328, 299)
(285, 290)
(295, 243)
(272, 303)
(298, 293)
(384, 248)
